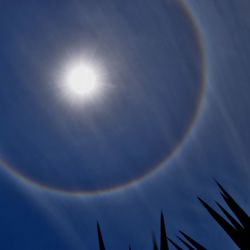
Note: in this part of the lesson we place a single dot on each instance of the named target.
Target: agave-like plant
(237, 222)
(236, 225)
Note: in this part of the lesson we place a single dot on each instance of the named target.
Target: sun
(82, 80)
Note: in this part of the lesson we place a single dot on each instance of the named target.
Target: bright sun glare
(82, 80)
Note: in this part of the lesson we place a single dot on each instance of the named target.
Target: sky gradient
(158, 57)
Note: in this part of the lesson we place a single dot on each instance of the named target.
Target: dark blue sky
(156, 56)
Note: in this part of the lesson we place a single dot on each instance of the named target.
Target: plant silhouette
(236, 225)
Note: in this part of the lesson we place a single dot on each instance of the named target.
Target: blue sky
(154, 72)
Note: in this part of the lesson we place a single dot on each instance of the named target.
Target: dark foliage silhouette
(175, 244)
(155, 246)
(236, 224)
(100, 239)
(192, 241)
(164, 240)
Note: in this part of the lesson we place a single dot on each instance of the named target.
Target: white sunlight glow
(82, 81)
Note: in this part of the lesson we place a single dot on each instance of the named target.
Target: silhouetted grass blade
(100, 238)
(164, 241)
(186, 243)
(234, 222)
(237, 210)
(155, 246)
(193, 242)
(175, 244)
(232, 233)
